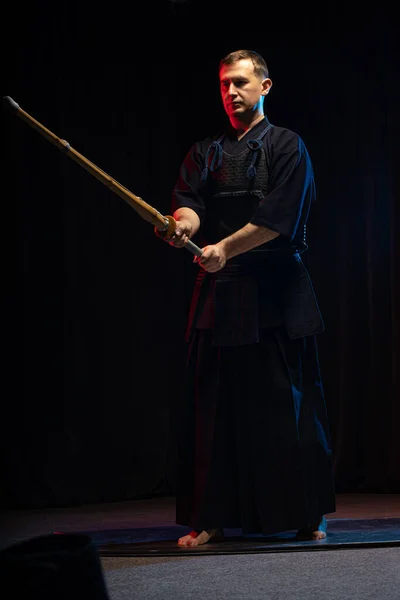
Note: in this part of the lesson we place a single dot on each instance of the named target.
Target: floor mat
(162, 541)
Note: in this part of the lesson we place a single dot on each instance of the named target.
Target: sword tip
(10, 104)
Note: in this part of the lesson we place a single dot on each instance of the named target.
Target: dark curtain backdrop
(95, 304)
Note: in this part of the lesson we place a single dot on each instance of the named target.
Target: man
(254, 450)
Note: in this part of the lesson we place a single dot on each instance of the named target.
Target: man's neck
(243, 127)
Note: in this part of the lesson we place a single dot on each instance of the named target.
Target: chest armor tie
(234, 186)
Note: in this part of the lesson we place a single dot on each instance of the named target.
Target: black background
(95, 305)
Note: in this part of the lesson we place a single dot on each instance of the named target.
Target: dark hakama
(254, 438)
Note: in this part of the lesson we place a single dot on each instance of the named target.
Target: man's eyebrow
(237, 78)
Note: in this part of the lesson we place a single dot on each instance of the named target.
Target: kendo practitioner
(254, 447)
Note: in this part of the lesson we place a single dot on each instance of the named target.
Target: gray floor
(370, 574)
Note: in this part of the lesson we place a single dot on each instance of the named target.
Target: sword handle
(193, 248)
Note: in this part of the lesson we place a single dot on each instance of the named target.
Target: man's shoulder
(285, 138)
(284, 133)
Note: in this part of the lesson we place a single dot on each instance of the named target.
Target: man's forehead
(242, 68)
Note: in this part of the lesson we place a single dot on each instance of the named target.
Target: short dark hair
(260, 66)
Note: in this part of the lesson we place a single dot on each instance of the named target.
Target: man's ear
(266, 85)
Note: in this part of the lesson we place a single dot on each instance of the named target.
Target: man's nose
(232, 90)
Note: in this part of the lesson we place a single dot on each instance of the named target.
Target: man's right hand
(181, 235)
(187, 223)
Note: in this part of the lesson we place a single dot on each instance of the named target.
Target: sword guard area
(169, 229)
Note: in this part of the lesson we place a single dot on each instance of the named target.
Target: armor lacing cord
(216, 161)
(255, 146)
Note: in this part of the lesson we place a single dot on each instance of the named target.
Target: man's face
(241, 89)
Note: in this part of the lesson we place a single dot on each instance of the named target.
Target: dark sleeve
(186, 190)
(291, 186)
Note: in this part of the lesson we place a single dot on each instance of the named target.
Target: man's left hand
(213, 258)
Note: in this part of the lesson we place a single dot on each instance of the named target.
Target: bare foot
(313, 532)
(196, 538)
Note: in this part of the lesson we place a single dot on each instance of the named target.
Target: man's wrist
(245, 239)
(224, 246)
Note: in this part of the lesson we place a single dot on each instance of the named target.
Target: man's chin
(235, 110)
